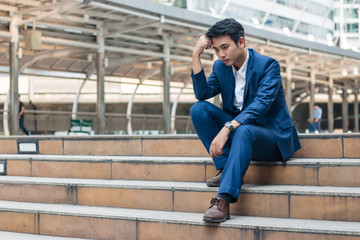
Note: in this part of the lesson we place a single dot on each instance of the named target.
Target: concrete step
(120, 223)
(319, 146)
(23, 236)
(296, 171)
(284, 201)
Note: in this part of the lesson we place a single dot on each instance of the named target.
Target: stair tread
(182, 186)
(262, 223)
(171, 159)
(25, 236)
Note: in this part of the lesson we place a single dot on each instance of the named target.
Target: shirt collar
(242, 70)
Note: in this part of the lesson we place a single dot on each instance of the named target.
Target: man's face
(228, 52)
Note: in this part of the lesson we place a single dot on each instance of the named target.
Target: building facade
(305, 19)
(346, 18)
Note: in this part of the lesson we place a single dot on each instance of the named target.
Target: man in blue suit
(254, 122)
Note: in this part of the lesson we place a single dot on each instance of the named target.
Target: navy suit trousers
(248, 142)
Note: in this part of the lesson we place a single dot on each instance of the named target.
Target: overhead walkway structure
(146, 40)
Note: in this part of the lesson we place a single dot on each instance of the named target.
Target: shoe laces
(215, 201)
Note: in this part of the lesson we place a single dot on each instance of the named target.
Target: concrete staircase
(107, 187)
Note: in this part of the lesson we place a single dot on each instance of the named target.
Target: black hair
(227, 26)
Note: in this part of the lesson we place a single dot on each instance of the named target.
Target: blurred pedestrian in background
(22, 117)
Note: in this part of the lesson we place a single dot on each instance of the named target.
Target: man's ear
(241, 42)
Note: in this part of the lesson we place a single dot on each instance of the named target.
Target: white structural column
(288, 87)
(14, 76)
(129, 109)
(173, 110)
(331, 105)
(345, 108)
(6, 115)
(356, 106)
(100, 73)
(166, 88)
(312, 95)
(76, 101)
(131, 101)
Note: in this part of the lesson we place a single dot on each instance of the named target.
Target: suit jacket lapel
(248, 75)
(231, 85)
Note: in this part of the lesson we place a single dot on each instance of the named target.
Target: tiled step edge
(322, 145)
(183, 186)
(305, 171)
(285, 201)
(179, 160)
(164, 217)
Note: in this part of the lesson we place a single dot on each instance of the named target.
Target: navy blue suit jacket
(264, 98)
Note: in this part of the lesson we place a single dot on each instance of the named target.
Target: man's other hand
(217, 145)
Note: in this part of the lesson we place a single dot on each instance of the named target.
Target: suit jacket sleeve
(205, 89)
(268, 87)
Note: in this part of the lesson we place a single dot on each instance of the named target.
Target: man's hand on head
(202, 44)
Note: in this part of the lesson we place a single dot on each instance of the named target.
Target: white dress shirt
(240, 80)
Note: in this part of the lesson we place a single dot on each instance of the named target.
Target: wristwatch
(230, 126)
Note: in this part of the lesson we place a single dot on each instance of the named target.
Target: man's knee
(244, 131)
(246, 128)
(198, 109)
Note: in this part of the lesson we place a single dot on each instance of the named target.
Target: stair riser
(284, 175)
(114, 229)
(107, 170)
(19, 222)
(322, 147)
(284, 205)
(39, 193)
(68, 226)
(172, 232)
(340, 176)
(249, 204)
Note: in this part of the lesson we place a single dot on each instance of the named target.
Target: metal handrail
(50, 122)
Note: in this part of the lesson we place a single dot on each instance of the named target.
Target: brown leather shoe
(218, 211)
(215, 181)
